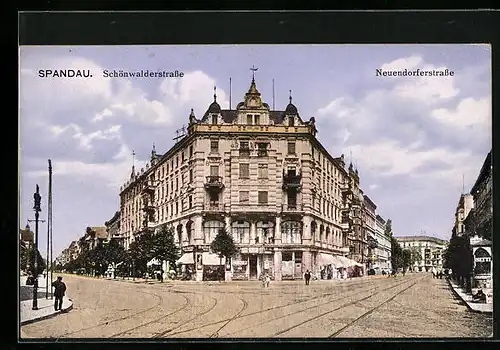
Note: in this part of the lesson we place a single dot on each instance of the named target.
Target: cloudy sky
(413, 138)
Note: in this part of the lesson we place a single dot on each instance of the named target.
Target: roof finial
(215, 93)
(154, 149)
(133, 162)
(290, 97)
(253, 69)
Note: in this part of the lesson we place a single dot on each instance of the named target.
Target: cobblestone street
(403, 307)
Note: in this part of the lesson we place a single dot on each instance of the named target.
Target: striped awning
(211, 259)
(186, 259)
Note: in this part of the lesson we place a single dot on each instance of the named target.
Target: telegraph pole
(50, 258)
(37, 209)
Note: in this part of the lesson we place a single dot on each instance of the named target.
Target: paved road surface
(412, 306)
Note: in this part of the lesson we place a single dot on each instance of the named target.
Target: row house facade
(431, 250)
(382, 252)
(113, 229)
(260, 174)
(370, 229)
(478, 222)
(464, 207)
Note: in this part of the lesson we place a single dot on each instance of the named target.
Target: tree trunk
(220, 269)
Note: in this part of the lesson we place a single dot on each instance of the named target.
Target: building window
(176, 208)
(262, 149)
(176, 183)
(190, 202)
(214, 119)
(292, 200)
(291, 147)
(244, 149)
(262, 197)
(291, 232)
(263, 171)
(190, 151)
(257, 119)
(249, 119)
(291, 121)
(241, 231)
(177, 161)
(244, 171)
(214, 146)
(214, 170)
(183, 154)
(211, 229)
(244, 197)
(190, 175)
(265, 232)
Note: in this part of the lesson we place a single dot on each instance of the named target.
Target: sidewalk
(45, 306)
(467, 299)
(45, 310)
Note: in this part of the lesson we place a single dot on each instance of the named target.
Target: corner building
(259, 173)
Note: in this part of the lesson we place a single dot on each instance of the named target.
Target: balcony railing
(213, 206)
(214, 182)
(291, 181)
(148, 187)
(148, 207)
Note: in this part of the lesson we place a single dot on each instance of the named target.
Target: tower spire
(133, 162)
(215, 93)
(253, 69)
(290, 96)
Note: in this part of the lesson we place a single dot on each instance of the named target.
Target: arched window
(190, 231)
(481, 253)
(328, 235)
(321, 233)
(291, 232)
(313, 229)
(179, 234)
(241, 231)
(265, 232)
(211, 229)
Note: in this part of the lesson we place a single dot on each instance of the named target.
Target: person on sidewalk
(307, 277)
(60, 289)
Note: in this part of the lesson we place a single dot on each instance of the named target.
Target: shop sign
(253, 250)
(483, 259)
(239, 262)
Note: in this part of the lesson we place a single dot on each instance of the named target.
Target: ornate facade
(263, 176)
(431, 250)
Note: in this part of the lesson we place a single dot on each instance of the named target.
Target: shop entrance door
(253, 266)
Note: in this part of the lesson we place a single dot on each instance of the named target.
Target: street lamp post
(37, 209)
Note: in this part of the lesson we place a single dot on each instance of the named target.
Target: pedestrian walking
(434, 272)
(59, 290)
(307, 277)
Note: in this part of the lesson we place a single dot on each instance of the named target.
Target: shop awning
(211, 259)
(327, 259)
(186, 259)
(349, 262)
(154, 261)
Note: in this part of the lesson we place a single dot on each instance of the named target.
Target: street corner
(45, 310)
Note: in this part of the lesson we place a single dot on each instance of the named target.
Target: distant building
(370, 230)
(95, 234)
(382, 254)
(431, 250)
(465, 205)
(26, 236)
(113, 229)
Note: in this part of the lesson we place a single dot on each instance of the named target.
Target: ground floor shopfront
(253, 263)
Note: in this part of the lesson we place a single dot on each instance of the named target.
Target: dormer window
(249, 119)
(214, 119)
(291, 121)
(257, 119)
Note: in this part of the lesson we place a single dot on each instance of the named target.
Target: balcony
(291, 182)
(292, 208)
(213, 206)
(148, 187)
(214, 183)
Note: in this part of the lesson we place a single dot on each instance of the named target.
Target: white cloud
(469, 112)
(101, 115)
(403, 63)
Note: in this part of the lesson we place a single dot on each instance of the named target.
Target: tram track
(338, 308)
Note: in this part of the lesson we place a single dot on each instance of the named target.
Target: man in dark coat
(307, 277)
(60, 289)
